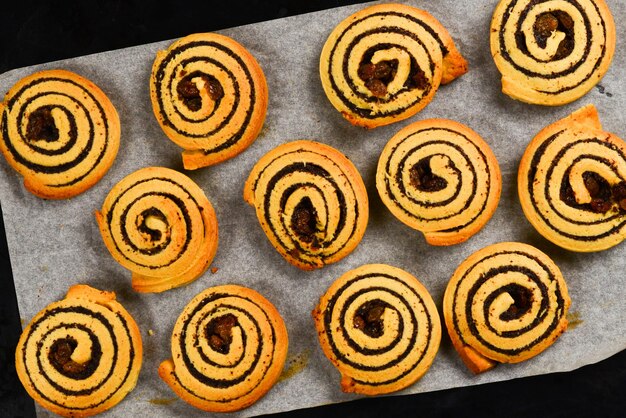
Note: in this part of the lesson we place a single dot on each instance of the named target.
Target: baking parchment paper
(54, 244)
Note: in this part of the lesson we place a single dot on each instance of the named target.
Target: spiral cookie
(228, 349)
(311, 202)
(80, 356)
(384, 63)
(158, 223)
(506, 303)
(572, 183)
(60, 132)
(210, 97)
(380, 327)
(439, 177)
(551, 52)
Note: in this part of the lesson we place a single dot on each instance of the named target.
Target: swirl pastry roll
(310, 201)
(572, 183)
(439, 177)
(505, 303)
(551, 52)
(60, 132)
(380, 327)
(159, 224)
(228, 349)
(209, 95)
(384, 64)
(80, 356)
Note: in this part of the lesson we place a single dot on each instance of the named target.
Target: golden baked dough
(551, 52)
(439, 177)
(80, 356)
(505, 303)
(380, 327)
(59, 131)
(228, 349)
(572, 183)
(209, 95)
(159, 224)
(310, 201)
(384, 63)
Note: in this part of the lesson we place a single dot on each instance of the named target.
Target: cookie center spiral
(522, 302)
(219, 332)
(423, 178)
(153, 224)
(41, 125)
(387, 71)
(190, 88)
(369, 318)
(551, 36)
(304, 221)
(602, 195)
(60, 357)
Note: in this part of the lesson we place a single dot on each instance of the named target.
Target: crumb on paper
(162, 401)
(573, 320)
(214, 270)
(264, 130)
(295, 364)
(150, 332)
(602, 90)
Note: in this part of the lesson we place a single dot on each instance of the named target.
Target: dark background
(33, 33)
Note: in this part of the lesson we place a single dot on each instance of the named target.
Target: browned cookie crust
(159, 224)
(228, 349)
(310, 201)
(60, 132)
(384, 63)
(209, 95)
(572, 183)
(80, 356)
(379, 326)
(440, 177)
(505, 303)
(551, 52)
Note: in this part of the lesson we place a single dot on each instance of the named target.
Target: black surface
(33, 33)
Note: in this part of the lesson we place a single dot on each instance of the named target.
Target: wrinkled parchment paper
(54, 244)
